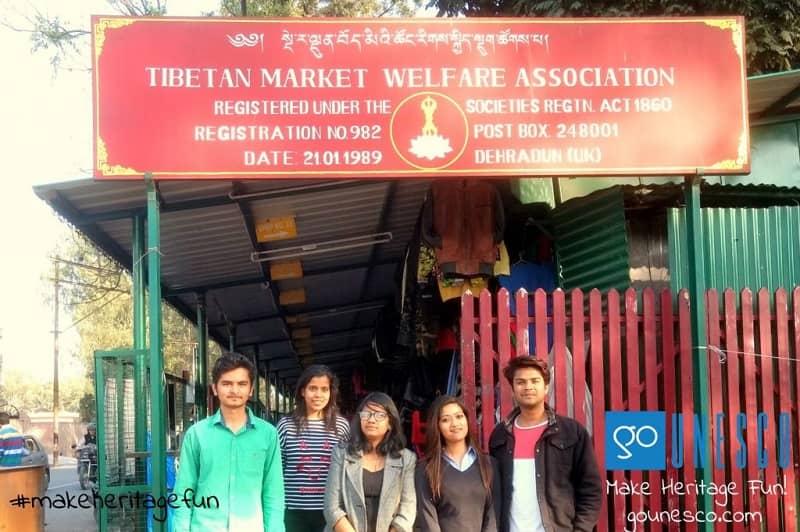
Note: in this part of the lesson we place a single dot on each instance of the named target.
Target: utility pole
(57, 281)
(55, 363)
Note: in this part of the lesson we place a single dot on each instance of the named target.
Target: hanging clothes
(452, 288)
(464, 222)
(502, 265)
(531, 277)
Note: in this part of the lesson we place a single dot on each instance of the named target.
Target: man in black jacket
(548, 472)
(91, 434)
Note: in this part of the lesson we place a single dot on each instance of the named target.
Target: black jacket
(570, 489)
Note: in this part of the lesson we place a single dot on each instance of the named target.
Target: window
(31, 445)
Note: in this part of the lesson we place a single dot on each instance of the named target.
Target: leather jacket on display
(464, 222)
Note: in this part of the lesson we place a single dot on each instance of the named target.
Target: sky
(45, 137)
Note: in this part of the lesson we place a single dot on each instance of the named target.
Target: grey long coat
(344, 492)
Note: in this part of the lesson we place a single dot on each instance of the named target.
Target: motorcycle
(87, 465)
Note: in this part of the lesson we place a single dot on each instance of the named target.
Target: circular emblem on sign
(429, 131)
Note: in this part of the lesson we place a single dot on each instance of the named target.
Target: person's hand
(343, 525)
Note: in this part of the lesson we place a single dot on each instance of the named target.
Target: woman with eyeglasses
(455, 484)
(307, 437)
(370, 486)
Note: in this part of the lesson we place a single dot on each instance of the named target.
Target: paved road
(63, 480)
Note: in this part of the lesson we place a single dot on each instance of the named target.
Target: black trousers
(304, 520)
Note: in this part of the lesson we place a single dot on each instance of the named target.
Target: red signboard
(249, 98)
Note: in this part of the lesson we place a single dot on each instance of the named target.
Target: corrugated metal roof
(192, 256)
(711, 195)
(774, 94)
(744, 248)
(591, 242)
(206, 248)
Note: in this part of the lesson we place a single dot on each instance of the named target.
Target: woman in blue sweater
(454, 482)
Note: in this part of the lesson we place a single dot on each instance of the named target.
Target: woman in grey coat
(370, 485)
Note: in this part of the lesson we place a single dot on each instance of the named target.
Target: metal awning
(773, 95)
(208, 236)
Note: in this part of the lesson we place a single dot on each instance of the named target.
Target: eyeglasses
(377, 416)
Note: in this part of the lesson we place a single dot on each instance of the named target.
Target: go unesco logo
(637, 441)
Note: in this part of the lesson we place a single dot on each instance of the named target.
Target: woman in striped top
(307, 437)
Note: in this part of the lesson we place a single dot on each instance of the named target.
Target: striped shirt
(12, 447)
(306, 460)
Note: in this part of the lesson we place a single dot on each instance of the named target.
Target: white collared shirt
(466, 462)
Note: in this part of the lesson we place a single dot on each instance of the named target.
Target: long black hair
(330, 412)
(393, 441)
(434, 447)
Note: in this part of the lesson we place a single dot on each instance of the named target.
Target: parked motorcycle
(87, 465)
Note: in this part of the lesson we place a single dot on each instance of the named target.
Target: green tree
(56, 36)
(87, 408)
(772, 26)
(71, 391)
(98, 292)
(29, 394)
(26, 393)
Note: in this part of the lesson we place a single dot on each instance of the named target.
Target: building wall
(648, 248)
(40, 424)
(744, 248)
(591, 242)
(775, 154)
(775, 160)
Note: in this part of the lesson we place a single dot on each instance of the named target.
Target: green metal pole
(139, 338)
(282, 398)
(697, 292)
(273, 404)
(102, 421)
(257, 384)
(268, 385)
(285, 396)
(278, 393)
(157, 391)
(201, 363)
(119, 378)
(232, 338)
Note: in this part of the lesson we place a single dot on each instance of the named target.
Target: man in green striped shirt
(229, 474)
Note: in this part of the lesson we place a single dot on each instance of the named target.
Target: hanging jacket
(464, 222)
